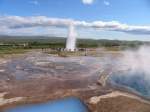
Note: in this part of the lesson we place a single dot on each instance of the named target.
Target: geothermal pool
(70, 104)
(135, 81)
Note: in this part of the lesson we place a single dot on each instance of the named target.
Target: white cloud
(115, 26)
(35, 2)
(12, 23)
(88, 2)
(107, 3)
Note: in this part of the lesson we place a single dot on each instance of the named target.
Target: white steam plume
(71, 40)
(137, 59)
(135, 71)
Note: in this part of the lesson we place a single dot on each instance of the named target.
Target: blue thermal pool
(70, 104)
(136, 81)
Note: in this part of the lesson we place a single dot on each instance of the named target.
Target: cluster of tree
(59, 42)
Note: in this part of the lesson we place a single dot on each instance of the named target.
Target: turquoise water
(135, 80)
(70, 104)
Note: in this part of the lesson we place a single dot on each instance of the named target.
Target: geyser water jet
(71, 40)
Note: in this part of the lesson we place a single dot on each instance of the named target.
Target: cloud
(8, 23)
(15, 22)
(107, 3)
(88, 2)
(34, 2)
(116, 26)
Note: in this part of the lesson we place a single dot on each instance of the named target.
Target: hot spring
(134, 81)
(70, 104)
(133, 71)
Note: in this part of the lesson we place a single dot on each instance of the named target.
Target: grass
(11, 51)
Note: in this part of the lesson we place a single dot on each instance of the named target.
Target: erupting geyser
(71, 40)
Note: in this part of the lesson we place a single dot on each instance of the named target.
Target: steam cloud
(138, 59)
(136, 71)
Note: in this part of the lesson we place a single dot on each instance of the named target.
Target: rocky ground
(37, 77)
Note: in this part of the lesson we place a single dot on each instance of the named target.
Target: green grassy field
(21, 44)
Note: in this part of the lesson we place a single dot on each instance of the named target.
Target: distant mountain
(28, 37)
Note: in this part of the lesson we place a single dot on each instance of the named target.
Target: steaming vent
(71, 40)
(134, 71)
